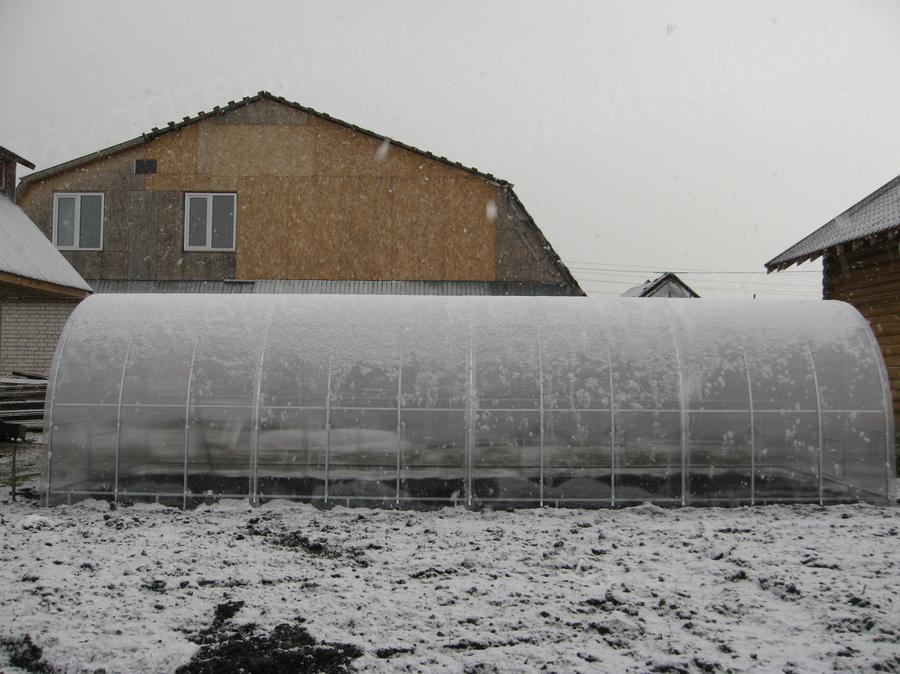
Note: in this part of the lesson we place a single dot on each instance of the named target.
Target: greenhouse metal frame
(428, 401)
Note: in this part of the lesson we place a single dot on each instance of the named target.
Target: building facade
(266, 190)
(38, 287)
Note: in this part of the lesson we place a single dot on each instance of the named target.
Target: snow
(27, 252)
(778, 588)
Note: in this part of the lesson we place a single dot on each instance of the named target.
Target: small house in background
(266, 195)
(664, 285)
(38, 287)
(861, 265)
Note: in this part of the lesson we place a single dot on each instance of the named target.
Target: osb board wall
(869, 279)
(315, 200)
(143, 233)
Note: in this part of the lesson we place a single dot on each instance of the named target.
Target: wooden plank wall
(868, 277)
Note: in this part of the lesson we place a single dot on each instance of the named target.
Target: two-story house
(266, 195)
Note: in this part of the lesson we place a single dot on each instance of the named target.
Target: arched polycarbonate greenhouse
(414, 401)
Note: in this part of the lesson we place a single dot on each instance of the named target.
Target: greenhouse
(478, 401)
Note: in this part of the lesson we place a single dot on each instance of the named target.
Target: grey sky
(702, 135)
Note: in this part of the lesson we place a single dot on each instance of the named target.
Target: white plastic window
(209, 221)
(78, 220)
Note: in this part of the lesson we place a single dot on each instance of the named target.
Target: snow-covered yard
(779, 588)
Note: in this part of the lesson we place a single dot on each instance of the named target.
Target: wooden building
(38, 287)
(266, 194)
(860, 251)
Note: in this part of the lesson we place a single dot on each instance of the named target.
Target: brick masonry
(29, 331)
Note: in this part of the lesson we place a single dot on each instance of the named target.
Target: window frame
(77, 225)
(208, 248)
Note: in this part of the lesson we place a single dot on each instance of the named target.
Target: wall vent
(145, 166)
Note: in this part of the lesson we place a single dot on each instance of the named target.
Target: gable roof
(155, 132)
(27, 254)
(651, 288)
(875, 217)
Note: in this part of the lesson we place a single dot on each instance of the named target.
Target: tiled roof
(27, 253)
(877, 215)
(322, 287)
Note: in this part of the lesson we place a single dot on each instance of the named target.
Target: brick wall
(29, 331)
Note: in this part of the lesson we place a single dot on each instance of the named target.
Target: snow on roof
(653, 288)
(877, 214)
(27, 252)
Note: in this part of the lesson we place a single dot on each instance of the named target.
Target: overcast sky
(642, 136)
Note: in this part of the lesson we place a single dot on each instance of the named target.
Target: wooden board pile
(21, 405)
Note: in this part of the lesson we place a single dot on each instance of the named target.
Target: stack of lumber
(21, 404)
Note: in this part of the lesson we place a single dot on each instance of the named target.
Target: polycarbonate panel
(433, 454)
(84, 443)
(151, 449)
(226, 365)
(219, 459)
(506, 359)
(787, 456)
(300, 335)
(435, 369)
(363, 448)
(447, 400)
(854, 449)
(719, 456)
(648, 456)
(575, 369)
(716, 389)
(292, 447)
(577, 455)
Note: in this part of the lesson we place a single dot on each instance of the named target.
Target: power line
(615, 266)
(753, 289)
(624, 273)
(622, 279)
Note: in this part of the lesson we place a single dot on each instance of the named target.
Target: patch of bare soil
(227, 647)
(25, 654)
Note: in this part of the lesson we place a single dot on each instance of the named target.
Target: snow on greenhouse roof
(27, 253)
(569, 400)
(877, 215)
(171, 126)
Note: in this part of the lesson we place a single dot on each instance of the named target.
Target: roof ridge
(170, 126)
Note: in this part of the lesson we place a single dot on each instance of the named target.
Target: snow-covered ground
(770, 589)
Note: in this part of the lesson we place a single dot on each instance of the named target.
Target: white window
(209, 221)
(78, 220)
